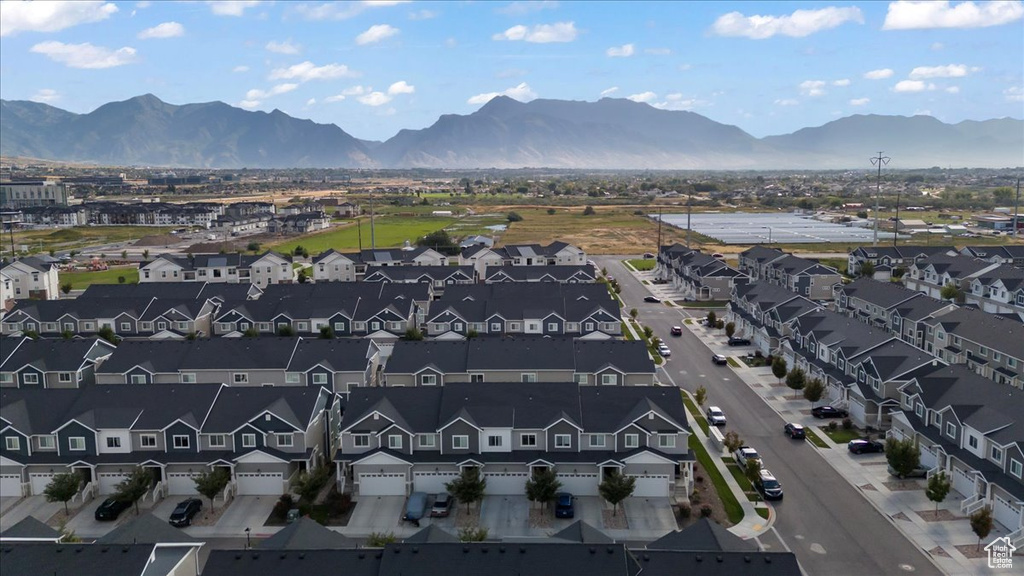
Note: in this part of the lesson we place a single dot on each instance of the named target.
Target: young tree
(632, 313)
(65, 287)
(285, 331)
(730, 329)
(551, 211)
(513, 217)
(902, 455)
(107, 333)
(308, 484)
(950, 292)
(253, 247)
(543, 487)
(413, 334)
(779, 367)
(124, 254)
(589, 211)
(145, 254)
(326, 332)
(814, 390)
(712, 318)
(981, 523)
(251, 332)
(796, 379)
(468, 487)
(867, 269)
(63, 488)
(302, 277)
(380, 539)
(648, 332)
(752, 470)
(701, 395)
(469, 534)
(212, 483)
(732, 441)
(938, 488)
(616, 488)
(134, 487)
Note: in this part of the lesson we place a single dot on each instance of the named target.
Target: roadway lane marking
(725, 379)
(817, 548)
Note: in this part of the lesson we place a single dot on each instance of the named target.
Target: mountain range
(504, 133)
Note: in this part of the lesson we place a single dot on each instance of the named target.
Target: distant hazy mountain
(146, 131)
(504, 133)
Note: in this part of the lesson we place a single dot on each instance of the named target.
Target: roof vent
(465, 549)
(396, 549)
(767, 559)
(302, 555)
(484, 550)
(522, 550)
(362, 555)
(415, 549)
(593, 550)
(698, 558)
(611, 550)
(719, 558)
(284, 555)
(501, 549)
(746, 559)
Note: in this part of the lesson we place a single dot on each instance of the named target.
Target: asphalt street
(826, 522)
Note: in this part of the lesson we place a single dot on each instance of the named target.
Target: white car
(664, 351)
(745, 454)
(715, 416)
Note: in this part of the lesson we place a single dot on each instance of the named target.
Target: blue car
(565, 505)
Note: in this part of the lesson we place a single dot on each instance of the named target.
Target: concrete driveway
(34, 506)
(85, 525)
(649, 514)
(243, 512)
(505, 516)
(379, 514)
(588, 509)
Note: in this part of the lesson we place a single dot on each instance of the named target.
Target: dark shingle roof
(580, 531)
(236, 406)
(704, 535)
(363, 562)
(51, 355)
(306, 534)
(29, 528)
(431, 534)
(146, 529)
(30, 559)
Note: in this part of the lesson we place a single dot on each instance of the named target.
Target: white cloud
(511, 73)
(249, 103)
(450, 42)
(522, 93)
(658, 51)
(936, 46)
(165, 30)
(353, 91)
(85, 55)
(286, 47)
(45, 95)
(401, 87)
(422, 15)
(842, 82)
(541, 33)
(1014, 94)
(342, 10)
(376, 33)
(812, 87)
(677, 101)
(787, 102)
(685, 67)
(922, 112)
(143, 5)
(647, 97)
(624, 51)
(879, 74)
(374, 99)
(240, 69)
(306, 71)
(949, 71)
(859, 101)
(953, 89)
(609, 91)
(912, 86)
(50, 16)
(256, 94)
(798, 24)
(231, 7)
(524, 8)
(311, 102)
(920, 15)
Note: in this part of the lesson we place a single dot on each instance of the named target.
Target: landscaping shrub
(847, 424)
(283, 505)
(705, 511)
(685, 511)
(833, 426)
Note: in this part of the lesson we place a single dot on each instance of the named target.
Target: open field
(389, 231)
(82, 280)
(41, 241)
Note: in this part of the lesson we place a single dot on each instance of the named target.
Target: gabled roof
(430, 534)
(558, 273)
(32, 559)
(28, 528)
(235, 407)
(580, 531)
(999, 333)
(306, 534)
(704, 535)
(146, 529)
(31, 262)
(53, 355)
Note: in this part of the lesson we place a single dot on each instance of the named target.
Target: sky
(376, 67)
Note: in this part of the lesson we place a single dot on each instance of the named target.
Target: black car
(795, 431)
(565, 505)
(111, 509)
(865, 446)
(185, 511)
(719, 359)
(829, 412)
(768, 485)
(739, 342)
(651, 299)
(677, 331)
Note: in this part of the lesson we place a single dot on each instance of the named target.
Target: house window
(460, 442)
(563, 441)
(361, 440)
(597, 441)
(395, 442)
(982, 351)
(319, 378)
(950, 430)
(666, 441)
(476, 377)
(285, 440)
(972, 441)
(528, 377)
(588, 327)
(552, 327)
(218, 441)
(240, 378)
(148, 440)
(181, 441)
(30, 378)
(495, 326)
(494, 441)
(6, 377)
(632, 441)
(428, 379)
(339, 326)
(138, 378)
(528, 440)
(1016, 468)
(609, 379)
(181, 326)
(248, 440)
(919, 410)
(580, 379)
(64, 377)
(76, 443)
(126, 326)
(13, 443)
(47, 443)
(996, 454)
(291, 378)
(188, 378)
(113, 442)
(427, 441)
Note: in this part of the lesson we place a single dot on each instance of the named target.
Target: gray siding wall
(460, 428)
(563, 428)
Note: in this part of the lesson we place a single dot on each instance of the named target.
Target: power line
(879, 161)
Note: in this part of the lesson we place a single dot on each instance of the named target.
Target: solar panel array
(753, 228)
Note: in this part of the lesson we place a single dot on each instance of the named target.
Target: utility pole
(688, 210)
(657, 249)
(896, 228)
(879, 161)
(373, 239)
(359, 230)
(1016, 210)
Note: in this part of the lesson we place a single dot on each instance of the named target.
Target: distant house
(261, 270)
(31, 277)
(333, 266)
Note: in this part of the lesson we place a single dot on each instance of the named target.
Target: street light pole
(878, 161)
(248, 544)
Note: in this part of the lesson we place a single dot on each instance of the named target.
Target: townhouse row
(696, 275)
(803, 276)
(993, 287)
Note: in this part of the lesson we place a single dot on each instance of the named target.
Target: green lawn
(841, 436)
(643, 264)
(815, 439)
(695, 413)
(732, 362)
(732, 506)
(389, 232)
(742, 480)
(762, 512)
(44, 240)
(704, 304)
(82, 280)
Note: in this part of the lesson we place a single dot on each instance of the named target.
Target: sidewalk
(902, 502)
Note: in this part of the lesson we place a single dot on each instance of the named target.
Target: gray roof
(580, 531)
(700, 563)
(417, 273)
(999, 333)
(883, 294)
(31, 559)
(32, 262)
(146, 529)
(362, 562)
(558, 273)
(236, 406)
(170, 356)
(431, 534)
(703, 535)
(28, 528)
(53, 355)
(499, 559)
(306, 534)
(956, 266)
(627, 356)
(529, 291)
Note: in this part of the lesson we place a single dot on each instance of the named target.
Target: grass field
(611, 230)
(841, 436)
(389, 232)
(642, 265)
(82, 280)
(815, 439)
(44, 240)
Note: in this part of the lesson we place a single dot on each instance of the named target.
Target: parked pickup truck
(744, 453)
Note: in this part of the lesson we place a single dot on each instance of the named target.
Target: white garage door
(928, 458)
(432, 482)
(39, 482)
(651, 485)
(10, 485)
(963, 483)
(499, 483)
(260, 483)
(389, 484)
(1005, 513)
(857, 411)
(181, 483)
(579, 484)
(109, 481)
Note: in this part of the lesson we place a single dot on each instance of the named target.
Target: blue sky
(374, 68)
